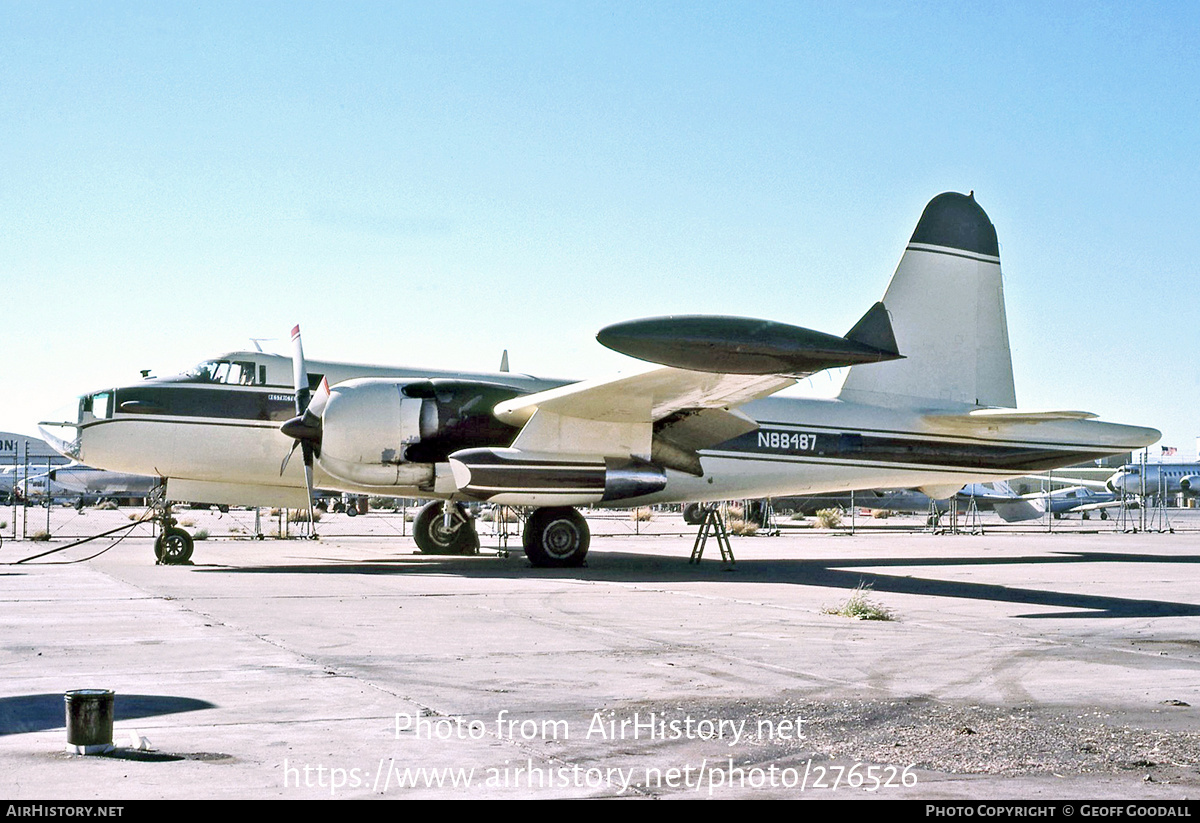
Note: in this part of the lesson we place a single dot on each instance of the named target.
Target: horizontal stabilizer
(741, 345)
(1015, 511)
(984, 419)
(875, 330)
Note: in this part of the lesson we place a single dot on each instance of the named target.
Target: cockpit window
(96, 405)
(237, 373)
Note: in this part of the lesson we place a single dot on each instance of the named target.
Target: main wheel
(173, 547)
(693, 514)
(432, 536)
(556, 536)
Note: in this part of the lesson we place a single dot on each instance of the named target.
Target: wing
(711, 365)
(624, 416)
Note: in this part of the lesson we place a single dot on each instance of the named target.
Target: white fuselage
(1166, 479)
(220, 442)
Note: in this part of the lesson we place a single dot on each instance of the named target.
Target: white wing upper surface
(616, 416)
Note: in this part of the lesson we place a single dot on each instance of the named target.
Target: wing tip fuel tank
(742, 345)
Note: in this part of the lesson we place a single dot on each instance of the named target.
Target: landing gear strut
(434, 535)
(173, 546)
(556, 537)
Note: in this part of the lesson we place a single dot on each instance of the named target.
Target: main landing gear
(555, 537)
(436, 533)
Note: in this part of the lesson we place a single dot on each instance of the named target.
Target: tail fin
(946, 302)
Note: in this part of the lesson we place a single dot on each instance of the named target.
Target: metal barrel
(89, 719)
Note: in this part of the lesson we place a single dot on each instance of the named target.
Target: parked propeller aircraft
(1062, 501)
(928, 403)
(910, 501)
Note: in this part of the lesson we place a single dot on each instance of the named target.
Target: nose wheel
(173, 547)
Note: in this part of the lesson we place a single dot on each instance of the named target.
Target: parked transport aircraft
(929, 403)
(1167, 479)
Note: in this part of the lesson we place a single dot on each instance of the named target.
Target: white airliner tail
(946, 303)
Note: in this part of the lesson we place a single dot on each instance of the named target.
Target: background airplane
(1156, 479)
(86, 483)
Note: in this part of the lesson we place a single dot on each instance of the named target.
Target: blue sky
(432, 183)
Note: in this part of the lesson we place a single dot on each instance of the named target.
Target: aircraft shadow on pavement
(831, 573)
(41, 712)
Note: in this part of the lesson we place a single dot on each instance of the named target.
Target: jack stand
(972, 522)
(934, 519)
(770, 523)
(500, 524)
(1160, 520)
(1124, 521)
(714, 524)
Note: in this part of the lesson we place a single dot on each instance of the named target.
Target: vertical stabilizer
(946, 302)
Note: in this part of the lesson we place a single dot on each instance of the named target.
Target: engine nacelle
(380, 432)
(1190, 483)
(516, 478)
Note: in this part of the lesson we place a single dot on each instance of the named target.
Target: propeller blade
(316, 406)
(299, 372)
(307, 451)
(305, 427)
(287, 457)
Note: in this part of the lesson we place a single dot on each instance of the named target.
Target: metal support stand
(500, 525)
(1124, 521)
(933, 518)
(1160, 519)
(770, 523)
(712, 524)
(1049, 486)
(972, 522)
(1142, 498)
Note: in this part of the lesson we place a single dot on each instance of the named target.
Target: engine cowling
(380, 432)
(518, 478)
(1190, 483)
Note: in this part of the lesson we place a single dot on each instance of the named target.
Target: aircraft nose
(64, 439)
(61, 430)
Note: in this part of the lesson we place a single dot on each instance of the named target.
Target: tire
(173, 547)
(693, 514)
(556, 537)
(433, 538)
